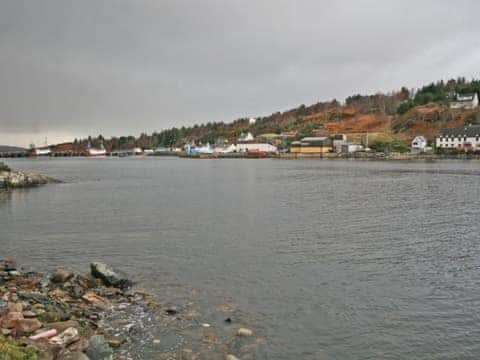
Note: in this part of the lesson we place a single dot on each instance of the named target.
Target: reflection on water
(335, 259)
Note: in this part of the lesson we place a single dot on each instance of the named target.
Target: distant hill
(6, 148)
(395, 117)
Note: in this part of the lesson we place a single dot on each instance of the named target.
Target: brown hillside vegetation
(359, 124)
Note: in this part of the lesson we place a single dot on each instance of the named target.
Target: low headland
(12, 179)
(101, 316)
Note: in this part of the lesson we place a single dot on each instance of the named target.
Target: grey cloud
(125, 66)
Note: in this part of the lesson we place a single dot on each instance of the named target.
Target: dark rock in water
(61, 276)
(98, 348)
(172, 310)
(228, 320)
(109, 276)
(8, 265)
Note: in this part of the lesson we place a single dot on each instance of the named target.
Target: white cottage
(465, 101)
(462, 138)
(419, 144)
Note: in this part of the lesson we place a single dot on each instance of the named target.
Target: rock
(27, 326)
(61, 276)
(15, 307)
(244, 332)
(8, 265)
(231, 357)
(98, 348)
(79, 346)
(49, 316)
(109, 276)
(156, 342)
(10, 320)
(34, 296)
(29, 314)
(172, 310)
(6, 332)
(65, 338)
(73, 356)
(96, 300)
(116, 342)
(14, 273)
(61, 326)
(18, 179)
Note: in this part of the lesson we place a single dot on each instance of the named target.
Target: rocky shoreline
(11, 179)
(99, 316)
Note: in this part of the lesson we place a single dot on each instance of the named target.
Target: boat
(94, 152)
(257, 154)
(41, 152)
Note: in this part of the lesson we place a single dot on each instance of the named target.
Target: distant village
(288, 144)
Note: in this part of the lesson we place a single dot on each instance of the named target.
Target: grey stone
(74, 356)
(98, 348)
(109, 276)
(61, 276)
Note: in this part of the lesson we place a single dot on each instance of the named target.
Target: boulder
(8, 265)
(98, 348)
(10, 320)
(67, 337)
(73, 356)
(61, 276)
(61, 326)
(27, 326)
(15, 307)
(109, 276)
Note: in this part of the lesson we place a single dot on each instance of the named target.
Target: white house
(419, 144)
(252, 121)
(245, 147)
(246, 137)
(465, 101)
(350, 148)
(462, 138)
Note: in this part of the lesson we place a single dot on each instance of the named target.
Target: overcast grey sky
(71, 68)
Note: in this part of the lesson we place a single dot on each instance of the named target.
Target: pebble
(231, 357)
(156, 342)
(29, 314)
(244, 332)
(206, 325)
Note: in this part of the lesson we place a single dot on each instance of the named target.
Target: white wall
(259, 146)
(452, 143)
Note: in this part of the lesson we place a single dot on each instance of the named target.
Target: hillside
(6, 148)
(394, 117)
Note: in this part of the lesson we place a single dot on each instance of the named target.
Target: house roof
(315, 138)
(469, 131)
(465, 97)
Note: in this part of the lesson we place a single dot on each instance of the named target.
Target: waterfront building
(462, 138)
(263, 147)
(339, 141)
(419, 144)
(310, 145)
(246, 137)
(349, 148)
